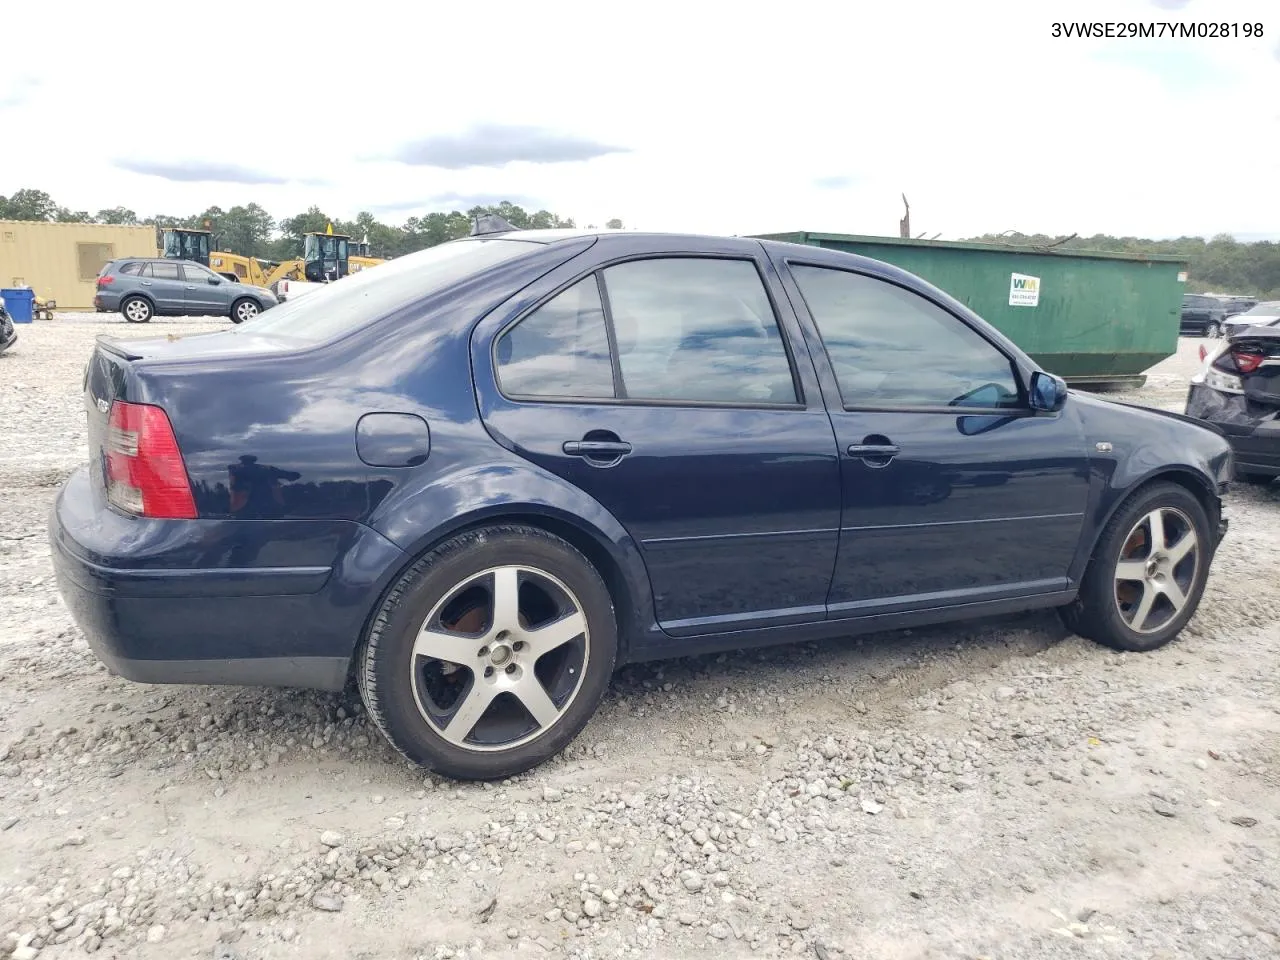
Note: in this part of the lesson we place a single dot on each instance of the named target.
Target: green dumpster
(1088, 316)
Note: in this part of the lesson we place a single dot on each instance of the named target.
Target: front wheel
(243, 310)
(1147, 573)
(490, 654)
(1213, 331)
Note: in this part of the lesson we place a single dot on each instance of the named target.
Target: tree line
(1218, 265)
(1221, 264)
(251, 231)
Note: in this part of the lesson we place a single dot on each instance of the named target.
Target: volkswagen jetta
(481, 476)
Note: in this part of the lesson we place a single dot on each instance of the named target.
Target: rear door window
(164, 271)
(559, 350)
(699, 330)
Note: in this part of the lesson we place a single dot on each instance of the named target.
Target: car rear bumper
(189, 601)
(1252, 430)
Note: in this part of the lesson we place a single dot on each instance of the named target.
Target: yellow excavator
(326, 256)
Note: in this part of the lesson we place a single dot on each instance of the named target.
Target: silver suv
(144, 287)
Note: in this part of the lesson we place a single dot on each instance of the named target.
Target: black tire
(1213, 331)
(392, 678)
(1096, 612)
(137, 310)
(246, 308)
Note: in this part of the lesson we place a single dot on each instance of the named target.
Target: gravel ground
(995, 789)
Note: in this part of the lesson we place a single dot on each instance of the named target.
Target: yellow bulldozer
(326, 256)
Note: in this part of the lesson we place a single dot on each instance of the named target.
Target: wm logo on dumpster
(1024, 291)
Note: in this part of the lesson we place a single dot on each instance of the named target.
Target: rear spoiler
(121, 349)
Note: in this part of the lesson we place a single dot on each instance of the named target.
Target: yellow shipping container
(60, 261)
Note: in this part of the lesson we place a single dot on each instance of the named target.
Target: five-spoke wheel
(1156, 569)
(500, 658)
(1147, 573)
(491, 653)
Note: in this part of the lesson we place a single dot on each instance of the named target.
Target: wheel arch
(1190, 479)
(632, 601)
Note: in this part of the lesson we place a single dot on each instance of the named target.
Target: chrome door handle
(146, 283)
(600, 449)
(873, 450)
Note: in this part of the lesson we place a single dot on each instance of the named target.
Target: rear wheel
(243, 310)
(137, 309)
(1213, 331)
(490, 654)
(1147, 573)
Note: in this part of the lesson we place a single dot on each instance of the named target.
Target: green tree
(28, 204)
(614, 224)
(245, 230)
(117, 215)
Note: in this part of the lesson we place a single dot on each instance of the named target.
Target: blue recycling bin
(20, 302)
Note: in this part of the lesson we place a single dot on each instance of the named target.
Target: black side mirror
(214, 281)
(1048, 393)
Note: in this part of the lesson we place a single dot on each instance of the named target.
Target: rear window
(131, 269)
(321, 314)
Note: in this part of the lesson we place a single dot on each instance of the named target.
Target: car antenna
(488, 223)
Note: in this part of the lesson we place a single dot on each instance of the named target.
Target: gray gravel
(995, 789)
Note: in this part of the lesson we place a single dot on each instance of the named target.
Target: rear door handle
(146, 283)
(873, 450)
(598, 449)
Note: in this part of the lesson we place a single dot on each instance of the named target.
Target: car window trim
(598, 271)
(1024, 405)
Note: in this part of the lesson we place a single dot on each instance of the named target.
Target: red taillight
(145, 472)
(1203, 353)
(1247, 362)
(106, 281)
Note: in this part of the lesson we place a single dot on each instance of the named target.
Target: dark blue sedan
(480, 477)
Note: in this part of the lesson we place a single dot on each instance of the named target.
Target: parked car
(1235, 305)
(8, 333)
(1263, 314)
(1202, 315)
(144, 287)
(480, 477)
(1238, 391)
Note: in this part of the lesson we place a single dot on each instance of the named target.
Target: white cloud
(817, 116)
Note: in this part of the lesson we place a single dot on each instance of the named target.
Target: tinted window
(131, 269)
(196, 274)
(891, 347)
(371, 294)
(163, 271)
(559, 350)
(697, 329)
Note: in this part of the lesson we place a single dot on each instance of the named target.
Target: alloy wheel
(246, 310)
(500, 658)
(137, 311)
(1156, 569)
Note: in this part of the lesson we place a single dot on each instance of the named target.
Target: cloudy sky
(705, 116)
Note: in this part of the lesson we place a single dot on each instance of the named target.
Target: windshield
(1269, 309)
(316, 247)
(371, 294)
(181, 245)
